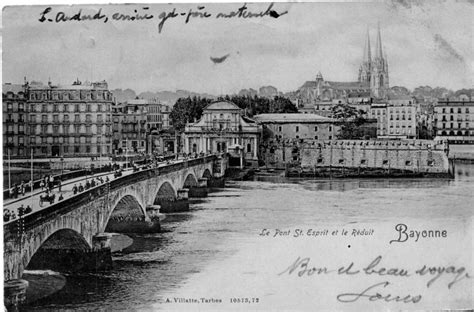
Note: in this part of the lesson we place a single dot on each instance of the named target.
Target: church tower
(365, 67)
(379, 70)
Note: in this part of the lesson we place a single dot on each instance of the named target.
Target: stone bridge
(80, 223)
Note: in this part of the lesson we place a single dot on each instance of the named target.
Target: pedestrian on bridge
(21, 211)
(28, 209)
(81, 188)
(74, 189)
(6, 215)
(22, 188)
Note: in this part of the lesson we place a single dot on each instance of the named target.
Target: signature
(352, 297)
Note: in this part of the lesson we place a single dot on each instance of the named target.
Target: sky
(426, 43)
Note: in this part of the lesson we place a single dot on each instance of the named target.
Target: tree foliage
(187, 110)
(190, 109)
(353, 124)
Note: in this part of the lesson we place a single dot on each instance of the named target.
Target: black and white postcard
(283, 156)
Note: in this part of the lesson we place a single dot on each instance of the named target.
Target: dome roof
(222, 105)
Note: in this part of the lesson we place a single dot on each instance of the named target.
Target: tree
(187, 110)
(353, 124)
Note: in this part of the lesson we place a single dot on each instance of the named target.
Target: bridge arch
(166, 192)
(207, 174)
(40, 257)
(190, 181)
(129, 208)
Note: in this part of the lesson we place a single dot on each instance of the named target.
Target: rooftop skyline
(426, 43)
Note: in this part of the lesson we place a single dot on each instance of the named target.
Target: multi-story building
(454, 120)
(137, 125)
(297, 126)
(396, 118)
(69, 120)
(15, 120)
(222, 128)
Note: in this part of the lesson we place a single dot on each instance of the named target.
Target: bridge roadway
(33, 200)
(78, 224)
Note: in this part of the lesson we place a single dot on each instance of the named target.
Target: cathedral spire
(378, 45)
(367, 57)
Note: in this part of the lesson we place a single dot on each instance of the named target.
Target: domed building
(223, 129)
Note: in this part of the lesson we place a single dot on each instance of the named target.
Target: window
(279, 129)
(32, 118)
(315, 128)
(55, 129)
(320, 160)
(88, 118)
(297, 128)
(88, 108)
(316, 137)
(44, 109)
(330, 137)
(65, 149)
(76, 149)
(76, 108)
(249, 148)
(66, 129)
(66, 108)
(32, 140)
(55, 107)
(56, 118)
(88, 129)
(77, 118)
(99, 107)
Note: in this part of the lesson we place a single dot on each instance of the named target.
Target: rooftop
(222, 105)
(15, 88)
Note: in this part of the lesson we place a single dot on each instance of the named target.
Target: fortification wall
(411, 155)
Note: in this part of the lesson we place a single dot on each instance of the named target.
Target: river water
(215, 250)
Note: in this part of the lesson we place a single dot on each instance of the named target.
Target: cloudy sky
(427, 43)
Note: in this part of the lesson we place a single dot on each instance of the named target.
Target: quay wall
(418, 156)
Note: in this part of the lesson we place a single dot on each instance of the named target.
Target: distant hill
(166, 97)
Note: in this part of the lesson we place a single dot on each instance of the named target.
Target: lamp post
(9, 174)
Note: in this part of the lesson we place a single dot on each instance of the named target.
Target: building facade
(454, 121)
(137, 125)
(297, 126)
(222, 128)
(396, 118)
(70, 120)
(15, 120)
